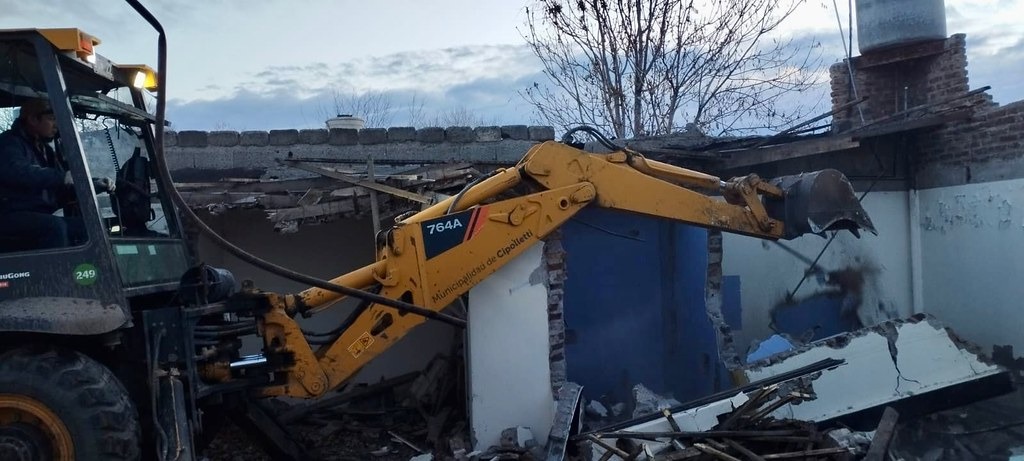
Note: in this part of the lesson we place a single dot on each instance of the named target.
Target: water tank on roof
(887, 23)
(345, 121)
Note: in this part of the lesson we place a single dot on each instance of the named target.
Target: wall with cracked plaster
(891, 361)
(767, 273)
(972, 251)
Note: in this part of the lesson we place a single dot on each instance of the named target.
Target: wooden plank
(311, 197)
(606, 446)
(374, 204)
(678, 153)
(751, 157)
(358, 182)
(312, 211)
(913, 124)
(807, 453)
(823, 116)
(718, 454)
(424, 169)
(903, 53)
(905, 114)
(743, 450)
(262, 186)
(883, 435)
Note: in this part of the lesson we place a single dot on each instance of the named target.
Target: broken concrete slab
(518, 437)
(646, 401)
(596, 410)
(699, 419)
(887, 363)
(568, 417)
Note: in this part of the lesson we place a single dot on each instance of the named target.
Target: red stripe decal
(469, 228)
(479, 222)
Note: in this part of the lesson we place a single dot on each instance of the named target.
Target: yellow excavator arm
(435, 256)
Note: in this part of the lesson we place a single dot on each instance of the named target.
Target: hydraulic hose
(179, 202)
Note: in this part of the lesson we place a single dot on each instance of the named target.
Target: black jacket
(30, 179)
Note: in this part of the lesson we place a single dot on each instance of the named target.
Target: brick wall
(899, 78)
(990, 141)
(554, 259)
(991, 134)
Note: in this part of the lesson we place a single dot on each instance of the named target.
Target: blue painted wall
(635, 307)
(815, 317)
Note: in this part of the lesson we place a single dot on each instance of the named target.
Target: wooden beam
(432, 169)
(261, 186)
(330, 173)
(312, 211)
(905, 114)
(823, 116)
(912, 124)
(374, 205)
(340, 208)
(797, 149)
(883, 435)
(903, 53)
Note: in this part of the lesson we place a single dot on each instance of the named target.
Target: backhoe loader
(115, 346)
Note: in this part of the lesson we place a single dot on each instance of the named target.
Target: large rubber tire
(93, 411)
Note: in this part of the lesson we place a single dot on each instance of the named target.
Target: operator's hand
(68, 181)
(104, 185)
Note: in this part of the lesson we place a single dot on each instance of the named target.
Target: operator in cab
(35, 183)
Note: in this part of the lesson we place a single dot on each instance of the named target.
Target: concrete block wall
(203, 156)
(348, 137)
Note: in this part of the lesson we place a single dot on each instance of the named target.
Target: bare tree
(459, 116)
(645, 67)
(374, 107)
(377, 109)
(416, 111)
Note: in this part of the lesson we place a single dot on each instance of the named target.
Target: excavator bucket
(816, 202)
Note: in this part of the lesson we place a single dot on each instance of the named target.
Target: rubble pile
(415, 414)
(748, 432)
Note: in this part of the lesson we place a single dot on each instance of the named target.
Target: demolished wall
(969, 177)
(768, 274)
(338, 245)
(945, 243)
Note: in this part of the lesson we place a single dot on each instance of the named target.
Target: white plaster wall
(509, 374)
(972, 249)
(325, 250)
(767, 272)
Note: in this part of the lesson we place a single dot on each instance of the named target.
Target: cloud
(487, 100)
(428, 70)
(480, 80)
(485, 80)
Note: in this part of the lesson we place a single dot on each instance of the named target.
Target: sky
(272, 64)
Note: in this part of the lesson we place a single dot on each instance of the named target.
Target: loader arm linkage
(435, 256)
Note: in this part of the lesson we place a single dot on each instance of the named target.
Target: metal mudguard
(65, 316)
